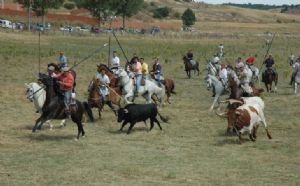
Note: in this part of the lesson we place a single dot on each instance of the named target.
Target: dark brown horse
(169, 85)
(95, 100)
(269, 78)
(188, 66)
(54, 107)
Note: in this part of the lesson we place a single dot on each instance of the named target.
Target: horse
(169, 86)
(217, 87)
(95, 100)
(36, 94)
(57, 70)
(211, 69)
(149, 89)
(296, 79)
(188, 66)
(269, 78)
(54, 107)
(255, 73)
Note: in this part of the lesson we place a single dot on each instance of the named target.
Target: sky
(269, 2)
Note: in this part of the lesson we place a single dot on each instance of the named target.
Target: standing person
(245, 80)
(291, 59)
(190, 54)
(104, 83)
(221, 50)
(115, 61)
(145, 70)
(250, 62)
(156, 68)
(138, 74)
(62, 60)
(295, 66)
(66, 82)
(238, 65)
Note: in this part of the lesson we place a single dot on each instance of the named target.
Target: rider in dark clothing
(269, 62)
(190, 55)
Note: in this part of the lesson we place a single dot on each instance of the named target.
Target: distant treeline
(284, 8)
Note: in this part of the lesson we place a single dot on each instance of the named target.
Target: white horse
(36, 94)
(211, 69)
(149, 89)
(213, 83)
(255, 74)
(297, 78)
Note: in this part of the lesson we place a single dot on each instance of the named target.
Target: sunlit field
(192, 149)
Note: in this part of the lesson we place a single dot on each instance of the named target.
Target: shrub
(69, 6)
(161, 12)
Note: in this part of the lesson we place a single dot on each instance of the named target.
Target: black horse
(268, 78)
(188, 66)
(53, 107)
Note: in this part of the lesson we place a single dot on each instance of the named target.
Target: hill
(206, 14)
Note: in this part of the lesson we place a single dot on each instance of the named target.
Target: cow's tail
(172, 89)
(164, 119)
(88, 110)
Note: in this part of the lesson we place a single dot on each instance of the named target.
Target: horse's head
(208, 82)
(56, 68)
(29, 91)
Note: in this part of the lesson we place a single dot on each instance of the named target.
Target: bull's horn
(126, 111)
(237, 113)
(231, 101)
(222, 114)
(226, 101)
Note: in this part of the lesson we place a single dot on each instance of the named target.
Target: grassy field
(191, 150)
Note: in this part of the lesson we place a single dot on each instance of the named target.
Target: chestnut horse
(95, 100)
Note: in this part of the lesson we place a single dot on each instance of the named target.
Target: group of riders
(137, 67)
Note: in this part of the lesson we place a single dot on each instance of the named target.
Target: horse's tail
(172, 88)
(88, 110)
(164, 119)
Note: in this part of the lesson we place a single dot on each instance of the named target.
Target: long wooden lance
(267, 52)
(120, 46)
(87, 57)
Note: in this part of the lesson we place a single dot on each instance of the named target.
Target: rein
(38, 90)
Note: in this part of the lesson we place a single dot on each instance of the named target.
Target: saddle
(193, 62)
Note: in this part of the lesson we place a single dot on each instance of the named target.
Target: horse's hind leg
(80, 129)
(39, 122)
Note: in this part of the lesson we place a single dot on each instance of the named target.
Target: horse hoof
(76, 139)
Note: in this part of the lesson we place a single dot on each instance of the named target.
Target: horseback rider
(104, 83)
(238, 65)
(216, 63)
(245, 80)
(145, 70)
(156, 68)
(223, 75)
(115, 61)
(269, 62)
(295, 67)
(137, 68)
(66, 82)
(190, 57)
(250, 62)
(62, 60)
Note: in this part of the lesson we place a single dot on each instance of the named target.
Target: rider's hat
(51, 68)
(65, 69)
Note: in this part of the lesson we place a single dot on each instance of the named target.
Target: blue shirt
(62, 61)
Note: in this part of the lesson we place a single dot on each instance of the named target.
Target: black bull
(134, 113)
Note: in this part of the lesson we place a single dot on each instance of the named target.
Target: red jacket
(250, 60)
(66, 81)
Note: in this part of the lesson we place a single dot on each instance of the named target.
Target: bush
(161, 12)
(69, 6)
(176, 15)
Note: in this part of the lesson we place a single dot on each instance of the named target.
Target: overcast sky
(270, 2)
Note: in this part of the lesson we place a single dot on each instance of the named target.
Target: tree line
(102, 10)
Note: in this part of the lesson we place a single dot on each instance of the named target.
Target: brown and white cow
(248, 117)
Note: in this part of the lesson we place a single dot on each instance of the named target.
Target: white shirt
(115, 61)
(223, 74)
(103, 79)
(221, 47)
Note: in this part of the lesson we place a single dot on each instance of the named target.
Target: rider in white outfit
(245, 78)
(223, 75)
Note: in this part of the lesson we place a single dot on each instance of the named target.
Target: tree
(100, 9)
(188, 17)
(126, 8)
(40, 7)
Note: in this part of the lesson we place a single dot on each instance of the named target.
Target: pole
(108, 63)
(39, 51)
(120, 46)
(87, 57)
(267, 52)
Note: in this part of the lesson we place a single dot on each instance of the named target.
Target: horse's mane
(105, 67)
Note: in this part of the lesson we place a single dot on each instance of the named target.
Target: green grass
(191, 150)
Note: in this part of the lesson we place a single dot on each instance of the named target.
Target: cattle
(133, 113)
(248, 117)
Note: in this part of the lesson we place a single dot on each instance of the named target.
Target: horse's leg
(63, 123)
(39, 122)
(49, 123)
(214, 102)
(80, 129)
(295, 88)
(275, 82)
(112, 107)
